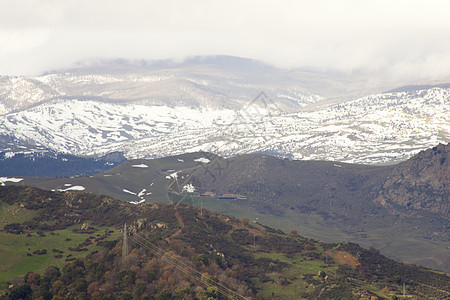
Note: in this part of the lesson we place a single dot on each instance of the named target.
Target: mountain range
(225, 105)
(320, 155)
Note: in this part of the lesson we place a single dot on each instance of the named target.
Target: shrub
(21, 292)
(127, 277)
(164, 295)
(14, 228)
(201, 260)
(139, 289)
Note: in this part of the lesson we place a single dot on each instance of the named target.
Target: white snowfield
(140, 195)
(143, 166)
(137, 202)
(382, 128)
(129, 192)
(73, 188)
(3, 180)
(203, 160)
(189, 188)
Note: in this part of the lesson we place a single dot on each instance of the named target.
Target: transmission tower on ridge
(125, 241)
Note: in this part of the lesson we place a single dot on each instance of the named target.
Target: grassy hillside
(179, 251)
(401, 210)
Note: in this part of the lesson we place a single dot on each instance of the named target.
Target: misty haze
(224, 150)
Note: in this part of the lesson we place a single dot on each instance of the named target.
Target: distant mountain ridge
(220, 81)
(418, 185)
(221, 104)
(47, 163)
(419, 87)
(382, 128)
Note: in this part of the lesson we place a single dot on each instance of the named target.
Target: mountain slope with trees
(402, 209)
(183, 252)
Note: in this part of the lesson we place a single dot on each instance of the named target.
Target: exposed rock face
(420, 184)
(85, 226)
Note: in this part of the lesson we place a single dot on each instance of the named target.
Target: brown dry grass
(344, 258)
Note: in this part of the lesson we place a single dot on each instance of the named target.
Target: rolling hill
(402, 210)
(178, 251)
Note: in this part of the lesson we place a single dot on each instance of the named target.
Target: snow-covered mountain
(374, 129)
(220, 83)
(152, 111)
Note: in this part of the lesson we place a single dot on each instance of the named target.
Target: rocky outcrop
(420, 184)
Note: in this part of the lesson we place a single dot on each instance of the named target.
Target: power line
(188, 271)
(183, 267)
(125, 242)
(162, 252)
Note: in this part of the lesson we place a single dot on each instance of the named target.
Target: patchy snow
(174, 175)
(189, 188)
(137, 202)
(73, 188)
(10, 179)
(202, 160)
(385, 127)
(129, 192)
(9, 155)
(336, 165)
(141, 193)
(180, 160)
(140, 166)
(68, 184)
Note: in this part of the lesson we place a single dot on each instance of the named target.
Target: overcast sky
(404, 39)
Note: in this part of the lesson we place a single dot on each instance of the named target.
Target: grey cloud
(398, 39)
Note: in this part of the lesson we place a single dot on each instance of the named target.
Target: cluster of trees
(216, 250)
(140, 275)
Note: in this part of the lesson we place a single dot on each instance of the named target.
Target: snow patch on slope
(10, 179)
(73, 188)
(129, 192)
(203, 160)
(140, 166)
